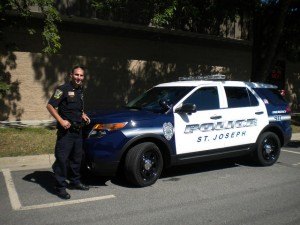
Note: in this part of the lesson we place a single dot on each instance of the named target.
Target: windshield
(159, 99)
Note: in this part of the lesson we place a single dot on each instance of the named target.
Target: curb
(27, 162)
(295, 137)
(28, 123)
(45, 161)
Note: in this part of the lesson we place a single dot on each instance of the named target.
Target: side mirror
(186, 108)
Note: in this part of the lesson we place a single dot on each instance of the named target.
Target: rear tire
(268, 149)
(143, 164)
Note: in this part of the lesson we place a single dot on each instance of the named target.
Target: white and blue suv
(185, 122)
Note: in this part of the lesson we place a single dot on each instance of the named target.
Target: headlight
(100, 129)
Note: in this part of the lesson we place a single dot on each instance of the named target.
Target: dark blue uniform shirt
(69, 102)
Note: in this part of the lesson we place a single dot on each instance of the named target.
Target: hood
(115, 116)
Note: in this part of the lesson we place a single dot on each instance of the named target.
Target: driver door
(197, 131)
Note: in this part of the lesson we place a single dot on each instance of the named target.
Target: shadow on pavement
(293, 144)
(43, 178)
(121, 181)
(199, 168)
(173, 173)
(47, 181)
(94, 181)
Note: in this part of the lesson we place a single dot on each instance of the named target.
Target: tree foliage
(272, 25)
(202, 16)
(50, 34)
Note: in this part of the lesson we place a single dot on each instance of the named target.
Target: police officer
(66, 106)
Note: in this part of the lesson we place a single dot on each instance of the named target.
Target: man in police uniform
(66, 106)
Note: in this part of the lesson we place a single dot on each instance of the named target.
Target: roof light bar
(204, 77)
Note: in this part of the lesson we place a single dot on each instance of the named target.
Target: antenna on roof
(204, 77)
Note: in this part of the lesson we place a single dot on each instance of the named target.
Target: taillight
(288, 109)
(282, 92)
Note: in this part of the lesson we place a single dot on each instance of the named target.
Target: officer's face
(77, 76)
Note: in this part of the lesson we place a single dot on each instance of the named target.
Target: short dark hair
(77, 67)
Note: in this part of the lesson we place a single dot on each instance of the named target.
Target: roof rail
(203, 77)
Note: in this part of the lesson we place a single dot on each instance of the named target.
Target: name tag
(71, 93)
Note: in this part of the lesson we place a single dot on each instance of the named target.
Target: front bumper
(103, 155)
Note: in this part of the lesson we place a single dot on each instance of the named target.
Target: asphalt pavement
(220, 192)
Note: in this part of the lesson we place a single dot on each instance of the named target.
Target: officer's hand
(86, 118)
(65, 124)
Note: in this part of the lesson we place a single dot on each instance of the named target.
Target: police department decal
(58, 93)
(168, 130)
(206, 128)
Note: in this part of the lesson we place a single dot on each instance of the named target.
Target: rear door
(245, 116)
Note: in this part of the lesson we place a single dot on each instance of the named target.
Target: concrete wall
(120, 65)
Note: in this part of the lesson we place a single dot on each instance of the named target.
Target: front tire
(143, 164)
(268, 149)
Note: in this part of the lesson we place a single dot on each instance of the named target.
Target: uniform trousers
(68, 154)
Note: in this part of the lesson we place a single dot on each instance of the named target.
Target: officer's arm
(64, 123)
(86, 118)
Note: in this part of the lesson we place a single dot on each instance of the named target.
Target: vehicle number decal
(277, 118)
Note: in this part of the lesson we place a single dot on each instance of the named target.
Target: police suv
(185, 122)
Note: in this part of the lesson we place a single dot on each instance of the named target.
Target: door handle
(259, 113)
(215, 117)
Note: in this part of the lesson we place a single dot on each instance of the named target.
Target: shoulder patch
(58, 94)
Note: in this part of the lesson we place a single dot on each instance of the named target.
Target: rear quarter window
(240, 97)
(271, 94)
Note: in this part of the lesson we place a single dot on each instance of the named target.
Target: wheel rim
(149, 165)
(270, 149)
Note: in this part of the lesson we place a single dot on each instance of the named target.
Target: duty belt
(76, 126)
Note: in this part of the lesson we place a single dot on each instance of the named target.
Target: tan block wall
(32, 100)
(119, 68)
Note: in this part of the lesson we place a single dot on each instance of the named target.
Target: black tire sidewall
(132, 164)
(259, 151)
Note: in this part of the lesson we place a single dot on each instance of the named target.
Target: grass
(36, 141)
(296, 129)
(26, 141)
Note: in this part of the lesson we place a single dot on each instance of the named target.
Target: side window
(205, 98)
(237, 97)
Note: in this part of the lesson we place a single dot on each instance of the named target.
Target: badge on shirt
(71, 93)
(58, 94)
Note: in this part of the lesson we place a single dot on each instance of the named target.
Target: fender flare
(155, 138)
(275, 128)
